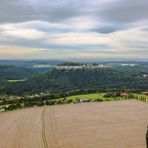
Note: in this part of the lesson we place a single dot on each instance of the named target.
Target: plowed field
(118, 124)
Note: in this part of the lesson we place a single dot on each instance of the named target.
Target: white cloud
(78, 36)
(20, 31)
(17, 51)
(82, 23)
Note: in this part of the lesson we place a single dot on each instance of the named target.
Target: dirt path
(43, 129)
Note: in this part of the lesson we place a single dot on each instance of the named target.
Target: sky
(58, 29)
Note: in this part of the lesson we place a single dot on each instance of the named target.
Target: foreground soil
(120, 124)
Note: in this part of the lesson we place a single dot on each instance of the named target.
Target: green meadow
(14, 81)
(93, 96)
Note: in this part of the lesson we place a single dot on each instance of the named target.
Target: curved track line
(43, 130)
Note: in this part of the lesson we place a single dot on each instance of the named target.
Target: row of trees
(53, 99)
(139, 97)
(23, 105)
(44, 97)
(30, 103)
(108, 97)
(115, 95)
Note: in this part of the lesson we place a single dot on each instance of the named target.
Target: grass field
(14, 81)
(117, 124)
(94, 96)
(88, 96)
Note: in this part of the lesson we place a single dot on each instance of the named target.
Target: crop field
(117, 124)
(21, 129)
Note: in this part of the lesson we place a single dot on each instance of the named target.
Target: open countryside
(105, 125)
(73, 74)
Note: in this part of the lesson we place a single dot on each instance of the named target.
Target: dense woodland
(115, 77)
(44, 86)
(14, 72)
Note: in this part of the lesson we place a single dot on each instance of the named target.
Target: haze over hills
(39, 66)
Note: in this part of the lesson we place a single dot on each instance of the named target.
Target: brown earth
(120, 124)
(21, 129)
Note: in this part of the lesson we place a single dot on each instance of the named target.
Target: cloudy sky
(44, 29)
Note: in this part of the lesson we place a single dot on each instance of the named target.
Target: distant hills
(80, 79)
(112, 76)
(10, 72)
(39, 66)
(28, 63)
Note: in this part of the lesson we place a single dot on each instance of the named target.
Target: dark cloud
(116, 11)
(124, 11)
(145, 29)
(106, 29)
(25, 10)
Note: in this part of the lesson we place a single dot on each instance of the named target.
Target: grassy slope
(93, 96)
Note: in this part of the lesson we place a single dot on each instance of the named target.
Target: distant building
(131, 65)
(88, 66)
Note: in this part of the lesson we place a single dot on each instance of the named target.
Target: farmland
(9, 103)
(106, 124)
(21, 129)
(93, 96)
(14, 81)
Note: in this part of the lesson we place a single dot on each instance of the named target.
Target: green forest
(16, 80)
(22, 86)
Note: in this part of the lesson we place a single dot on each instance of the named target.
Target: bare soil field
(118, 124)
(21, 129)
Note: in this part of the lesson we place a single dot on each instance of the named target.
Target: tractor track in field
(43, 130)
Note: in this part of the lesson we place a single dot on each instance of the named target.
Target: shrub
(98, 100)
(109, 95)
(40, 103)
(50, 102)
(68, 101)
(59, 102)
(11, 107)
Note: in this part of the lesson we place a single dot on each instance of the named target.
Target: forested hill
(64, 80)
(14, 72)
